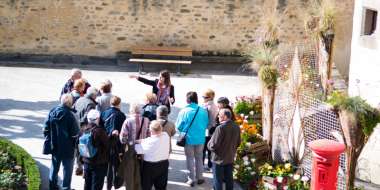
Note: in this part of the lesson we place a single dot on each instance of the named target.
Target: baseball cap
(93, 115)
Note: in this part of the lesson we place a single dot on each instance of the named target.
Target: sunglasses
(205, 97)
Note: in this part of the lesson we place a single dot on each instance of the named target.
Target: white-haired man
(61, 130)
(69, 85)
(155, 166)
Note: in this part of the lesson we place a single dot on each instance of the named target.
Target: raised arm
(143, 80)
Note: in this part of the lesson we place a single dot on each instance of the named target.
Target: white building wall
(364, 78)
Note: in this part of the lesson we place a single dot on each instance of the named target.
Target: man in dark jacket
(69, 85)
(62, 129)
(223, 145)
(95, 168)
(82, 106)
(113, 120)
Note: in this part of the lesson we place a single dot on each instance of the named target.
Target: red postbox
(325, 164)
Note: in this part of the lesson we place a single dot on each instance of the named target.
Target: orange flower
(252, 131)
(239, 121)
(245, 126)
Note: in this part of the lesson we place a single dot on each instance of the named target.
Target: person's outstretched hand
(133, 76)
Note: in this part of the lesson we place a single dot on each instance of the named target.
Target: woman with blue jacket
(195, 137)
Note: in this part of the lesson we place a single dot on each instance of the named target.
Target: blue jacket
(112, 119)
(196, 134)
(62, 127)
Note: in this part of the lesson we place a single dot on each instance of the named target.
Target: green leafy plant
(367, 116)
(247, 105)
(269, 75)
(6, 161)
(280, 170)
(12, 180)
(298, 183)
(24, 162)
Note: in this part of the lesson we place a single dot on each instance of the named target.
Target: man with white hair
(69, 85)
(155, 166)
(83, 105)
(95, 168)
(74, 75)
(61, 130)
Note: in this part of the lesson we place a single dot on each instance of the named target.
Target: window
(370, 20)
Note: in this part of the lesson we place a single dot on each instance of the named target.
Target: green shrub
(11, 180)
(244, 107)
(367, 116)
(24, 160)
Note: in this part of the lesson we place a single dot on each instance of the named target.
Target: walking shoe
(207, 168)
(190, 183)
(200, 181)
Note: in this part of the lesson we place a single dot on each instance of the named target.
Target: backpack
(149, 111)
(86, 146)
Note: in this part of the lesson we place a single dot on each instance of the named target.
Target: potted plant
(358, 119)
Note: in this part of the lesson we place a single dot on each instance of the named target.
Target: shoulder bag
(181, 141)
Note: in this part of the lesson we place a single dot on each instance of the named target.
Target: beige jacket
(169, 128)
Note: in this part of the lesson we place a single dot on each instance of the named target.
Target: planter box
(261, 150)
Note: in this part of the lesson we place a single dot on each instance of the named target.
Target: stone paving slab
(27, 95)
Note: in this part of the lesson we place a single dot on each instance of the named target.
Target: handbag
(47, 147)
(181, 141)
(48, 144)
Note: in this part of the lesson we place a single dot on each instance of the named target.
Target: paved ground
(27, 94)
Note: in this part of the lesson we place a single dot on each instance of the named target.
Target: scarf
(163, 95)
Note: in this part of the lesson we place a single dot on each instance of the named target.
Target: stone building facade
(365, 58)
(104, 27)
(365, 81)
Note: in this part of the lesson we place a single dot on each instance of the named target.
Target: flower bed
(281, 177)
(252, 169)
(18, 169)
(248, 117)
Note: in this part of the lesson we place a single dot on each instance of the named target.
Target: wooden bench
(146, 55)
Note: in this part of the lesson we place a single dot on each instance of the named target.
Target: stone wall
(103, 27)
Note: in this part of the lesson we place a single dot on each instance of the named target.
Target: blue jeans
(220, 173)
(68, 164)
(94, 176)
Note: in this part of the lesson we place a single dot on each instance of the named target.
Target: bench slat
(160, 61)
(162, 48)
(160, 52)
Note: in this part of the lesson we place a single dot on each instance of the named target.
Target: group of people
(88, 127)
